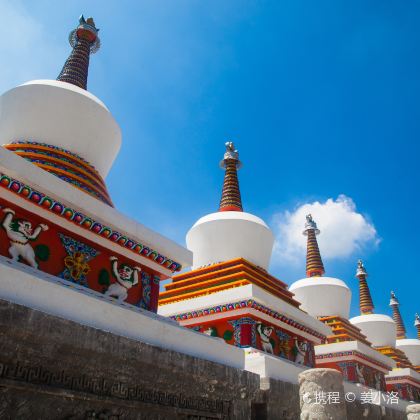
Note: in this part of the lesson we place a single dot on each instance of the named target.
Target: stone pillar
(321, 395)
(413, 412)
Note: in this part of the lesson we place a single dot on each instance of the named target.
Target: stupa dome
(230, 233)
(411, 348)
(379, 329)
(323, 296)
(63, 115)
(227, 235)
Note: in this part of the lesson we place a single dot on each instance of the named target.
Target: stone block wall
(52, 368)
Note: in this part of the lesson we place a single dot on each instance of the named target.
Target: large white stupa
(61, 127)
(230, 233)
(320, 296)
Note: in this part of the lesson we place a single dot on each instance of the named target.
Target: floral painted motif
(76, 262)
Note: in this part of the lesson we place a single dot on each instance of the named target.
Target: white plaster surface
(323, 296)
(227, 235)
(236, 294)
(268, 366)
(14, 166)
(379, 329)
(63, 115)
(35, 289)
(411, 348)
(362, 348)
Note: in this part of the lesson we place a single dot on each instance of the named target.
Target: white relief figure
(211, 331)
(20, 232)
(126, 277)
(300, 350)
(359, 373)
(265, 333)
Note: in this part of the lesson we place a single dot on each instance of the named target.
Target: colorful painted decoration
(244, 332)
(67, 255)
(360, 373)
(76, 262)
(265, 331)
(250, 303)
(104, 279)
(20, 232)
(145, 299)
(63, 164)
(126, 277)
(283, 344)
(80, 219)
(227, 335)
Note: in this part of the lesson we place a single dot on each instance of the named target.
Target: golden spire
(396, 316)
(314, 265)
(417, 325)
(365, 300)
(231, 196)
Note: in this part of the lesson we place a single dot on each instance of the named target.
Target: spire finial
(417, 325)
(365, 299)
(231, 195)
(314, 265)
(396, 316)
(84, 41)
(310, 225)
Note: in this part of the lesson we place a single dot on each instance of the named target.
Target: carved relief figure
(359, 373)
(126, 277)
(211, 331)
(265, 333)
(20, 232)
(300, 351)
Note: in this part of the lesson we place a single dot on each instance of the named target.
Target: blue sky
(320, 98)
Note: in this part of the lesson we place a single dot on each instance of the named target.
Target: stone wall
(51, 368)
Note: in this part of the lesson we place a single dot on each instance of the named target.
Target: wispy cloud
(343, 230)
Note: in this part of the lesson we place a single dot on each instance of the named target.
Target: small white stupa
(320, 296)
(230, 233)
(410, 346)
(378, 328)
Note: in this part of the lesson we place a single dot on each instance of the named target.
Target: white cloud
(343, 230)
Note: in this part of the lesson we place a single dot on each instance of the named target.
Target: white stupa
(378, 328)
(410, 346)
(61, 127)
(320, 296)
(230, 233)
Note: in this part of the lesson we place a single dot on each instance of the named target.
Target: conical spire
(365, 300)
(417, 325)
(314, 265)
(85, 41)
(231, 196)
(396, 316)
